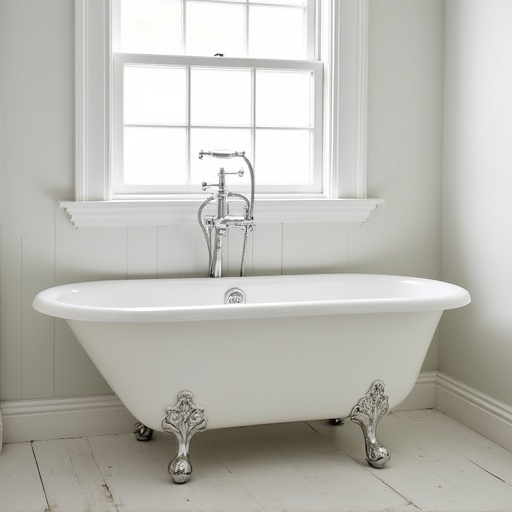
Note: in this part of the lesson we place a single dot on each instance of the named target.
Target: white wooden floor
(436, 464)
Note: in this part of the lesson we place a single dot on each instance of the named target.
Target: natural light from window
(235, 74)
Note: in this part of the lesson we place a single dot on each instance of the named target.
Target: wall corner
(1, 431)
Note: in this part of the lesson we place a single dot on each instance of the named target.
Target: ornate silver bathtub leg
(142, 433)
(184, 419)
(367, 413)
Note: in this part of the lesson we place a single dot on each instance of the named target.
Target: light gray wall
(39, 247)
(476, 343)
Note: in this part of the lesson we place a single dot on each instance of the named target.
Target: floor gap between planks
(47, 509)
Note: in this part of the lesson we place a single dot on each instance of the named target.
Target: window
(208, 74)
(301, 120)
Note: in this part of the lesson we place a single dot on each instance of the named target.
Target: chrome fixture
(367, 413)
(184, 419)
(234, 296)
(215, 227)
(142, 433)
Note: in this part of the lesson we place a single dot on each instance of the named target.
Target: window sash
(310, 22)
(121, 190)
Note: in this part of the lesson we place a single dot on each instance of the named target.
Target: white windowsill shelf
(167, 212)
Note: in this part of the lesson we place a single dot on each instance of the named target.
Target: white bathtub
(301, 348)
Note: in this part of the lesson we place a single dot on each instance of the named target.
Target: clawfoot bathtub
(189, 354)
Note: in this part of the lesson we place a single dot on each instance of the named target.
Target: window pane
(209, 139)
(155, 156)
(155, 95)
(283, 98)
(215, 28)
(151, 26)
(276, 32)
(220, 97)
(283, 157)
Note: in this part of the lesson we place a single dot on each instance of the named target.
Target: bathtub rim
(445, 296)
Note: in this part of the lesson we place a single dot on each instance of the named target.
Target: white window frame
(121, 191)
(344, 33)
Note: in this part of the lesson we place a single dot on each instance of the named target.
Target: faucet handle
(240, 172)
(205, 185)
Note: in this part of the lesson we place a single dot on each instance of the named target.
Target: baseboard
(30, 420)
(35, 420)
(482, 413)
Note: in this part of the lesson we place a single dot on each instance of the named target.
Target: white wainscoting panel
(267, 250)
(142, 252)
(310, 244)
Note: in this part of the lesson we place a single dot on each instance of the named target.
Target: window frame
(120, 191)
(343, 43)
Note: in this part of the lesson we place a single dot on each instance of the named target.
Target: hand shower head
(220, 153)
(225, 153)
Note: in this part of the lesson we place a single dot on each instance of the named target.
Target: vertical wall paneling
(37, 263)
(83, 255)
(40, 247)
(314, 248)
(75, 374)
(267, 249)
(36, 145)
(89, 254)
(168, 251)
(141, 252)
(181, 252)
(10, 325)
(193, 252)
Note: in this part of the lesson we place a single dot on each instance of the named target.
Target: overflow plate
(234, 296)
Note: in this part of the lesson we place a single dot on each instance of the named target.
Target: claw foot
(367, 413)
(184, 419)
(142, 433)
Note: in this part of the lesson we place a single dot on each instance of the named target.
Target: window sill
(184, 211)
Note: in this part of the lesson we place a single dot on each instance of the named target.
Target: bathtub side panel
(261, 370)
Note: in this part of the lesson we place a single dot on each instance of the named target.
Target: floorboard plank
(426, 468)
(468, 444)
(214, 485)
(349, 486)
(273, 482)
(437, 465)
(289, 467)
(71, 478)
(21, 489)
(136, 478)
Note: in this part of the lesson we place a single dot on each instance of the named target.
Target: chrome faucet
(215, 227)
